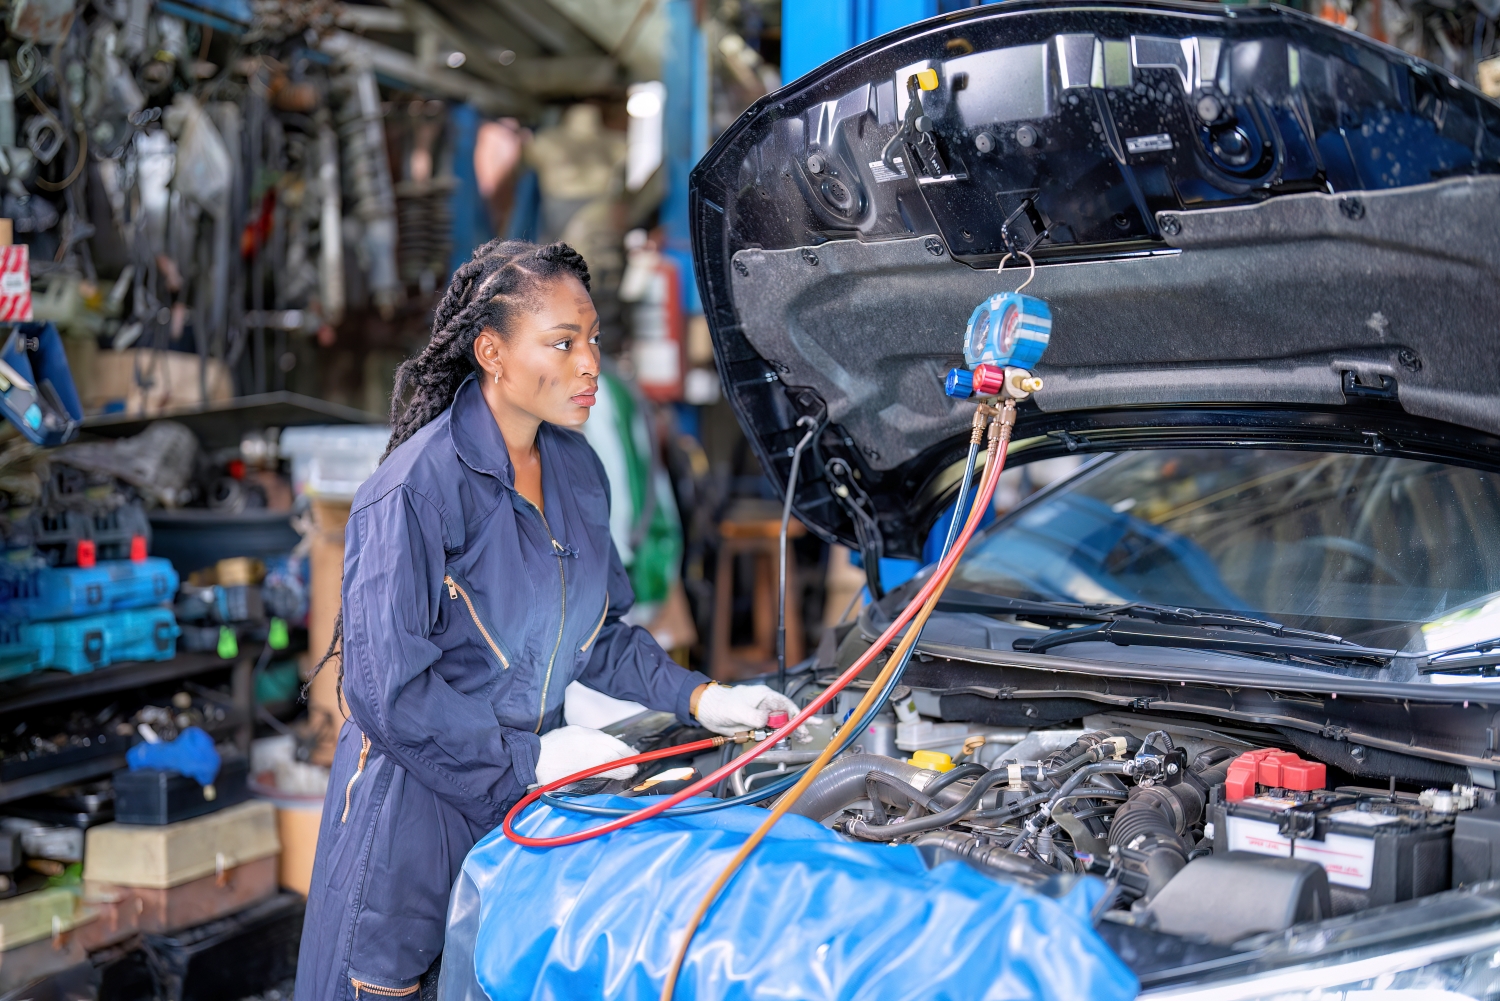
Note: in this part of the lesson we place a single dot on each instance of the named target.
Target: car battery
(1376, 847)
(68, 592)
(1387, 851)
(81, 645)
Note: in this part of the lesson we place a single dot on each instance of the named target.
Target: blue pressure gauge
(1008, 329)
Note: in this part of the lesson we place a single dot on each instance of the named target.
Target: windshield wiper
(958, 600)
(978, 601)
(1264, 639)
(1474, 658)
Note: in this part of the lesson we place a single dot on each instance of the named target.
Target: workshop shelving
(47, 688)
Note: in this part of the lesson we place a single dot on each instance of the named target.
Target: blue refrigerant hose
(784, 783)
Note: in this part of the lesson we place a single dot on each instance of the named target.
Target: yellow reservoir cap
(935, 760)
(927, 79)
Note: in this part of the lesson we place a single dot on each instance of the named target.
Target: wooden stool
(752, 529)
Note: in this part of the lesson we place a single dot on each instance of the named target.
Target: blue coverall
(466, 613)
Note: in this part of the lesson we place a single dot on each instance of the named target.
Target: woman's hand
(729, 710)
(570, 749)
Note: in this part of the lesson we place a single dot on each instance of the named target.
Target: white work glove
(728, 710)
(570, 749)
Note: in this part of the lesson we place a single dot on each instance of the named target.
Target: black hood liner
(1344, 251)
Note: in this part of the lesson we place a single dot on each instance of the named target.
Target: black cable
(813, 427)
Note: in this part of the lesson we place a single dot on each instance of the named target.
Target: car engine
(1198, 834)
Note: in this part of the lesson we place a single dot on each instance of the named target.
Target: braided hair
(502, 278)
(484, 294)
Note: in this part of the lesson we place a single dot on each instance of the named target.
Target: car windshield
(1386, 552)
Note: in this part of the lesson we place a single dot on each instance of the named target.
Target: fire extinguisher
(659, 326)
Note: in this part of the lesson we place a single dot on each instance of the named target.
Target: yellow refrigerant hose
(999, 435)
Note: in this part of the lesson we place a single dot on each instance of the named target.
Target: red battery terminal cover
(1275, 768)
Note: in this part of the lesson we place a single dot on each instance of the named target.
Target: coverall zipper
(597, 626)
(385, 992)
(364, 756)
(558, 549)
(455, 590)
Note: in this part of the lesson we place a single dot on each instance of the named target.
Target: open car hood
(1241, 217)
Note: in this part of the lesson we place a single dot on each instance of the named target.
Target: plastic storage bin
(20, 650)
(81, 645)
(331, 461)
(153, 796)
(57, 531)
(68, 592)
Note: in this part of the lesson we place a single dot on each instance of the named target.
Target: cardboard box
(40, 914)
(325, 712)
(148, 382)
(298, 829)
(124, 911)
(172, 854)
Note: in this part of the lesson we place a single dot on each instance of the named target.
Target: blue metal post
(814, 31)
(685, 73)
(471, 218)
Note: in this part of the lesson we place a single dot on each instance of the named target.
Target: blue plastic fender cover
(810, 916)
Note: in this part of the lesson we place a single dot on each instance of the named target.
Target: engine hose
(1043, 814)
(847, 734)
(1000, 432)
(1153, 810)
(1124, 742)
(1149, 830)
(914, 797)
(987, 856)
(922, 603)
(890, 832)
(843, 782)
(965, 771)
(1015, 810)
(1081, 776)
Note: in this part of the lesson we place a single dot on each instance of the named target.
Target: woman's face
(548, 367)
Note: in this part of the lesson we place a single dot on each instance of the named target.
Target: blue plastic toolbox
(81, 645)
(34, 595)
(20, 652)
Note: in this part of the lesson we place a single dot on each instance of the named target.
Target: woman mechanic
(479, 581)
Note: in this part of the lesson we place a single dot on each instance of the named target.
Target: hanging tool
(915, 133)
(1006, 336)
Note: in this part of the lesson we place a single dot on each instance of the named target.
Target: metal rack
(52, 687)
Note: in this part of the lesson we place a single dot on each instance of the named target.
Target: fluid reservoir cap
(935, 760)
(959, 384)
(777, 719)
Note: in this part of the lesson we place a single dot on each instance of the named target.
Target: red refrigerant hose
(934, 581)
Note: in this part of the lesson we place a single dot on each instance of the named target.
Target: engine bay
(1212, 840)
(1210, 836)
